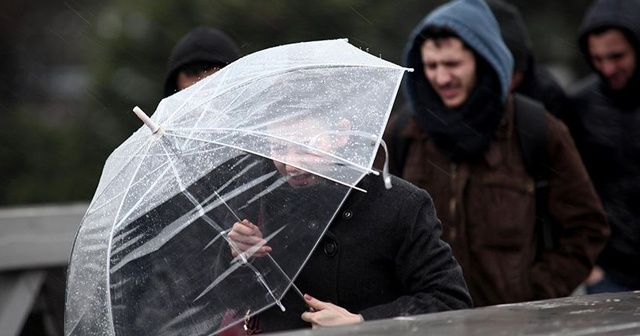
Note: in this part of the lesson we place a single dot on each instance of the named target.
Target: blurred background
(71, 71)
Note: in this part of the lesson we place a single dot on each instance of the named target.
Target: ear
(343, 126)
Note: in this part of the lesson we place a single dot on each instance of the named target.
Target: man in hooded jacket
(464, 151)
(199, 53)
(605, 124)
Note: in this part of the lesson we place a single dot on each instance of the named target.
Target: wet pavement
(611, 314)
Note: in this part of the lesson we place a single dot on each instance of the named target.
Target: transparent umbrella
(152, 255)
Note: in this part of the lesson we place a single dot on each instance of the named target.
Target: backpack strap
(530, 123)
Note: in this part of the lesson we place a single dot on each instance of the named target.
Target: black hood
(514, 32)
(623, 14)
(201, 45)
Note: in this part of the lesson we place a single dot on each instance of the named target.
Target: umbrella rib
(210, 221)
(276, 73)
(242, 260)
(277, 183)
(129, 187)
(96, 197)
(191, 218)
(297, 290)
(190, 196)
(199, 85)
(266, 136)
(188, 219)
(141, 198)
(110, 242)
(367, 170)
(203, 114)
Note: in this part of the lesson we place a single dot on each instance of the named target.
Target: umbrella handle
(385, 169)
(146, 120)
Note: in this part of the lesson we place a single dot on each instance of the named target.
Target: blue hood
(473, 21)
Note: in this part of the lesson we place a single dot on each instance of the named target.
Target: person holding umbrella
(152, 255)
(381, 257)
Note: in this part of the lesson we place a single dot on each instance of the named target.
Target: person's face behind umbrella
(316, 140)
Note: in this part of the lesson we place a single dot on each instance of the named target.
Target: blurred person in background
(529, 78)
(198, 54)
(605, 123)
(460, 144)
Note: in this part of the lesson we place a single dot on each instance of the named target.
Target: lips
(448, 92)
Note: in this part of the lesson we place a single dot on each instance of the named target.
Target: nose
(607, 67)
(442, 76)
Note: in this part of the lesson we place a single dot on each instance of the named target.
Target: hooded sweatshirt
(201, 45)
(464, 133)
(621, 14)
(605, 125)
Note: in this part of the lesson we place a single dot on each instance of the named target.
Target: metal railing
(35, 242)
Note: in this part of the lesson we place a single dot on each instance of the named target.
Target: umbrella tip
(146, 120)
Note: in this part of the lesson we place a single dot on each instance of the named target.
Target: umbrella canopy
(152, 255)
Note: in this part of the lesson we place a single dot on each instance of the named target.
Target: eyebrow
(609, 55)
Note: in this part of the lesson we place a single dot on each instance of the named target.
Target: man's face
(184, 81)
(450, 68)
(613, 57)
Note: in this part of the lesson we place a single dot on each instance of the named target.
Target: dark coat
(608, 137)
(606, 127)
(537, 83)
(381, 257)
(488, 212)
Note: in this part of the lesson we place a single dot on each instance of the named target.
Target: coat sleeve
(430, 276)
(584, 231)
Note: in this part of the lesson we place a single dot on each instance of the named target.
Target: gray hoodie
(464, 133)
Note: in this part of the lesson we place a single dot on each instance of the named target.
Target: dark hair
(627, 34)
(438, 34)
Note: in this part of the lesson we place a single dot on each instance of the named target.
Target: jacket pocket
(502, 213)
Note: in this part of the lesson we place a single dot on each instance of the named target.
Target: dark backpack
(531, 126)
